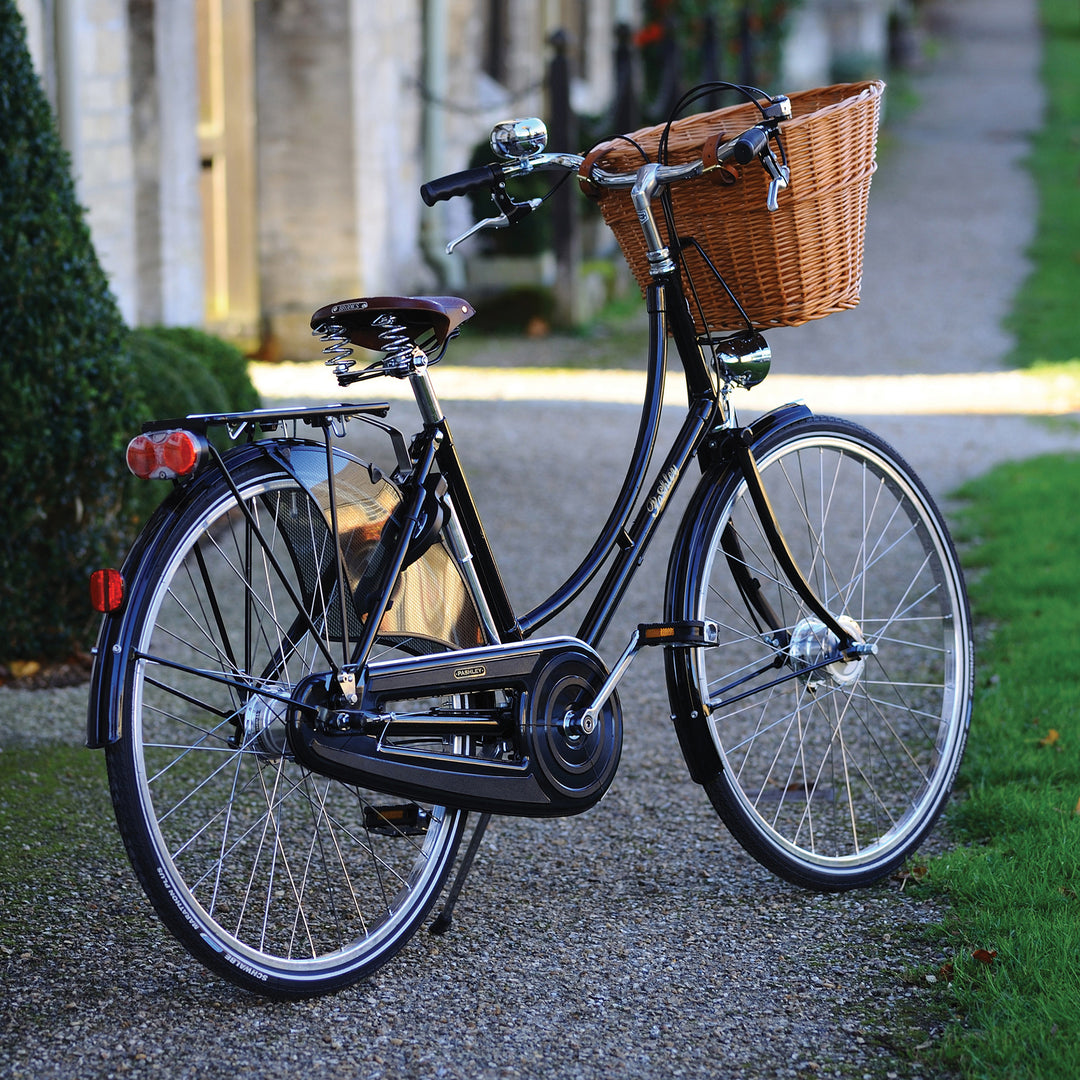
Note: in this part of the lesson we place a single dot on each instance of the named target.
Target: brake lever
(781, 177)
(500, 221)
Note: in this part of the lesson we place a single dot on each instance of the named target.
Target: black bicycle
(309, 671)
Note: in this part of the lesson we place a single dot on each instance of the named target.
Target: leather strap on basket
(718, 173)
(592, 190)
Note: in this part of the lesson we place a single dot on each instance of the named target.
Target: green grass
(1046, 318)
(54, 800)
(1014, 878)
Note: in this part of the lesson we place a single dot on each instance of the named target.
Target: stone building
(244, 161)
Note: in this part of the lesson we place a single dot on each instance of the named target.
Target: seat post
(423, 390)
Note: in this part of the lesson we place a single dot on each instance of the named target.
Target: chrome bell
(517, 139)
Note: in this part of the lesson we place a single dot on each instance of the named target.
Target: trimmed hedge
(171, 381)
(67, 390)
(77, 384)
(224, 362)
(177, 371)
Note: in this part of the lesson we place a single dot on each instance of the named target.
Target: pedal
(682, 634)
(401, 819)
(687, 634)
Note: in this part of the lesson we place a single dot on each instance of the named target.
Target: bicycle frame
(708, 412)
(433, 461)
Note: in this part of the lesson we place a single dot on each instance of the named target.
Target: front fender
(689, 712)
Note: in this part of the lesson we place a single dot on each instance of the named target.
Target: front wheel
(831, 771)
(286, 882)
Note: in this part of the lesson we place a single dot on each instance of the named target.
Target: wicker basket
(801, 262)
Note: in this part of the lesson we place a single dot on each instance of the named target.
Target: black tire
(285, 882)
(830, 779)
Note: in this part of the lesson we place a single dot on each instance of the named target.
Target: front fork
(735, 445)
(847, 646)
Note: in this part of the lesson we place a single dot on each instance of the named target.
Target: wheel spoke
(831, 775)
(268, 866)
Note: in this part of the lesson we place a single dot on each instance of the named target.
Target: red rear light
(106, 591)
(165, 455)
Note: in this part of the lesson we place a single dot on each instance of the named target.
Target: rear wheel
(284, 881)
(831, 770)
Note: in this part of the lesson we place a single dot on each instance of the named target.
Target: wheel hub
(264, 725)
(812, 642)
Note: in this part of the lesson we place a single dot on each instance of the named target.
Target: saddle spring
(338, 352)
(394, 340)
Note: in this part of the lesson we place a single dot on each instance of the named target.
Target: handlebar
(743, 148)
(492, 176)
(461, 183)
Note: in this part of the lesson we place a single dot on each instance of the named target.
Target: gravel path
(637, 940)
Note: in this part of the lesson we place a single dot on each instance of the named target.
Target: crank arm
(686, 635)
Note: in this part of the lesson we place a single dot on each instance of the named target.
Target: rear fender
(114, 636)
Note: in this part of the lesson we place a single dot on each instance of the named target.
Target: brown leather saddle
(427, 321)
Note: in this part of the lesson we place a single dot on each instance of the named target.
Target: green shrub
(225, 362)
(67, 394)
(172, 382)
(77, 383)
(179, 371)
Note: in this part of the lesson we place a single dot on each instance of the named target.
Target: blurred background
(244, 161)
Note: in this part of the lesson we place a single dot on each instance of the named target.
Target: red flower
(649, 34)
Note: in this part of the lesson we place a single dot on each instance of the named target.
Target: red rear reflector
(106, 591)
(164, 455)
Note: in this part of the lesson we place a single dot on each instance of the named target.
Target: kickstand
(442, 923)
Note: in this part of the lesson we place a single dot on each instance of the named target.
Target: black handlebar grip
(460, 183)
(750, 145)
